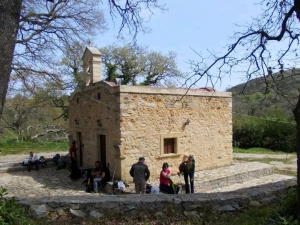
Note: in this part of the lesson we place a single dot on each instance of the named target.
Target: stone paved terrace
(51, 182)
(226, 188)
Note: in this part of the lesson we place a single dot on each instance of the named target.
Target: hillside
(276, 94)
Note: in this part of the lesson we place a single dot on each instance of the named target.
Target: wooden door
(102, 149)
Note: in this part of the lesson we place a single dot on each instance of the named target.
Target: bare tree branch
(130, 14)
(268, 49)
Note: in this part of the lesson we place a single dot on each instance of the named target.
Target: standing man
(140, 173)
(33, 160)
(75, 173)
(188, 170)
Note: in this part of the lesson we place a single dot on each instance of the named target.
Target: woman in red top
(165, 181)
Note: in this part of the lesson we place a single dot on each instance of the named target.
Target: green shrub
(288, 208)
(15, 147)
(275, 134)
(10, 212)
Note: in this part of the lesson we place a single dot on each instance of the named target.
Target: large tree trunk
(296, 112)
(9, 23)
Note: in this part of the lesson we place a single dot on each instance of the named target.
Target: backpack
(107, 176)
(182, 166)
(118, 186)
(55, 159)
(148, 188)
(175, 187)
(43, 161)
(89, 185)
(154, 190)
(86, 174)
(25, 162)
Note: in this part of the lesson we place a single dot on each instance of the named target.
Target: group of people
(34, 160)
(140, 173)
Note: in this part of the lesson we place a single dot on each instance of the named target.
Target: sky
(187, 27)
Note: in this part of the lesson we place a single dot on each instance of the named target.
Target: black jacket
(107, 176)
(140, 172)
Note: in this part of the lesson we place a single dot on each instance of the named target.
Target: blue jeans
(95, 182)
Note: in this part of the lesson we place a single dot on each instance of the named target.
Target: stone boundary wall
(159, 204)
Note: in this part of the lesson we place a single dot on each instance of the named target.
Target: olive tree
(136, 65)
(34, 32)
(34, 117)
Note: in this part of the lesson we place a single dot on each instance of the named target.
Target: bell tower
(91, 65)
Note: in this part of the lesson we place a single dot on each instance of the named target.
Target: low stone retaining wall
(129, 204)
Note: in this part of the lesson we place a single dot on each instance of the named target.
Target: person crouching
(166, 184)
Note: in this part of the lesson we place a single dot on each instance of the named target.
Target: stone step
(225, 176)
(272, 180)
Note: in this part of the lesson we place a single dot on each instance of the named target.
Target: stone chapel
(116, 124)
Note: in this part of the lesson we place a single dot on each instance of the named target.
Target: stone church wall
(137, 120)
(149, 115)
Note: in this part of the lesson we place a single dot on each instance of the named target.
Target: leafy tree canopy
(136, 65)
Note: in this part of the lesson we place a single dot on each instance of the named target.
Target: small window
(99, 96)
(77, 100)
(169, 145)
